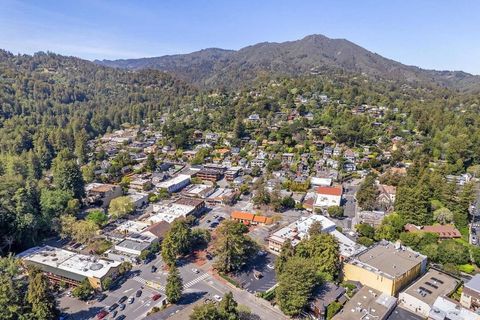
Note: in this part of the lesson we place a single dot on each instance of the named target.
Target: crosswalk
(196, 280)
(162, 288)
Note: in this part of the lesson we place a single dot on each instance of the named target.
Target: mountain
(312, 54)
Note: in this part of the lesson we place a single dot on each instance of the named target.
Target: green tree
(83, 291)
(451, 251)
(67, 175)
(232, 248)
(286, 253)
(98, 217)
(150, 163)
(390, 228)
(120, 207)
(228, 307)
(295, 285)
(443, 215)
(40, 297)
(323, 251)
(12, 304)
(367, 193)
(174, 286)
(207, 311)
(365, 230)
(335, 211)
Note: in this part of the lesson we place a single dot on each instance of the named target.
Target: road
(350, 203)
(197, 285)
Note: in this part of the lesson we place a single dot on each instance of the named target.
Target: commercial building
(61, 265)
(471, 293)
(201, 191)
(421, 295)
(224, 196)
(209, 175)
(232, 173)
(386, 267)
(175, 184)
(197, 204)
(170, 212)
(328, 196)
(298, 230)
(367, 303)
(250, 218)
(101, 194)
(447, 309)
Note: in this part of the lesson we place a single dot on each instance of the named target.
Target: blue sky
(439, 34)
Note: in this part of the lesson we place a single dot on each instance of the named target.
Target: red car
(102, 314)
(156, 297)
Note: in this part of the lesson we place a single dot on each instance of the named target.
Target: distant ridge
(218, 67)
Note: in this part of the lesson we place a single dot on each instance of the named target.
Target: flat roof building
(298, 230)
(386, 267)
(70, 267)
(367, 303)
(421, 295)
(175, 184)
(471, 293)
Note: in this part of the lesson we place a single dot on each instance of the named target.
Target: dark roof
(400, 313)
(326, 294)
(159, 229)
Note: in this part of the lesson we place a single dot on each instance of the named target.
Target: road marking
(128, 290)
(144, 282)
(197, 280)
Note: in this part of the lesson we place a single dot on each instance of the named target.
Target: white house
(328, 196)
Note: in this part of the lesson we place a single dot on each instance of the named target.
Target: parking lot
(259, 274)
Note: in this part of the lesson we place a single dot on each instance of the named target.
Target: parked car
(208, 221)
(156, 296)
(102, 314)
(195, 270)
(122, 299)
(139, 293)
(217, 298)
(154, 269)
(101, 297)
(114, 313)
(113, 307)
(130, 300)
(121, 317)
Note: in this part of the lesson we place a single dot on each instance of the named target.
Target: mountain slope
(217, 67)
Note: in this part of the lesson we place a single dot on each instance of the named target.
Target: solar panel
(431, 285)
(437, 280)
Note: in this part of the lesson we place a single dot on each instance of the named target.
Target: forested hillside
(314, 54)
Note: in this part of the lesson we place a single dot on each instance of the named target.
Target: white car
(130, 300)
(217, 298)
(195, 270)
(270, 266)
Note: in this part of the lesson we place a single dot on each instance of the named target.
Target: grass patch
(466, 268)
(267, 295)
(230, 280)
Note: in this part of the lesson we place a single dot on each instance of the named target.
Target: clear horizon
(439, 35)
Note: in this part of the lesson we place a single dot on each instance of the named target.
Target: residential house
(101, 193)
(323, 296)
(443, 231)
(386, 196)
